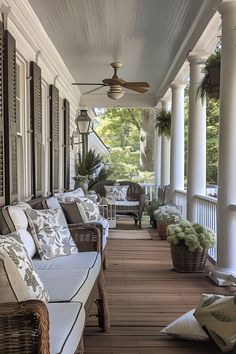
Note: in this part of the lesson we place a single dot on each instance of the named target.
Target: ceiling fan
(116, 84)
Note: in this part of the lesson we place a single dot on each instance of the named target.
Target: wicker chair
(135, 193)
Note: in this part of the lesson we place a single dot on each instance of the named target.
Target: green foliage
(163, 123)
(205, 87)
(212, 136)
(120, 130)
(88, 165)
(194, 236)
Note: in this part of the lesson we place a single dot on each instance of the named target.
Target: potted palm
(163, 123)
(210, 84)
(165, 216)
(189, 245)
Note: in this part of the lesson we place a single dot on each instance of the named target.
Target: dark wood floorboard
(145, 295)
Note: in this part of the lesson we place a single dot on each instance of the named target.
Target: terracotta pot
(162, 230)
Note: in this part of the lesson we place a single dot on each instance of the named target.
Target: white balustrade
(206, 216)
(149, 189)
(180, 198)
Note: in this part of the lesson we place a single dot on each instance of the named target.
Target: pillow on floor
(11, 246)
(51, 233)
(217, 316)
(186, 327)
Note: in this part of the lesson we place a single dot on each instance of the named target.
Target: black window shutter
(10, 127)
(66, 144)
(2, 186)
(36, 128)
(54, 139)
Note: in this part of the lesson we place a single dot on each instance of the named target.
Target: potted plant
(189, 245)
(163, 123)
(210, 84)
(165, 216)
(151, 207)
(87, 168)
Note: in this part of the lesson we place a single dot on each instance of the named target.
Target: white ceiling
(150, 37)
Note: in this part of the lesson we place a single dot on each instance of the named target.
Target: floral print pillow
(11, 246)
(91, 209)
(217, 316)
(51, 233)
(118, 193)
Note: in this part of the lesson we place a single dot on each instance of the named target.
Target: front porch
(145, 295)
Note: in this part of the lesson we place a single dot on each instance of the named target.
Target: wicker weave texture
(24, 328)
(86, 237)
(185, 261)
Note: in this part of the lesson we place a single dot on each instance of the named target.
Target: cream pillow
(51, 233)
(91, 209)
(186, 327)
(217, 316)
(11, 246)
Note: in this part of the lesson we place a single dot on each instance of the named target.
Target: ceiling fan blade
(135, 84)
(87, 84)
(137, 89)
(93, 90)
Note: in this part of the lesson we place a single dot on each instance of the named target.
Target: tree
(120, 131)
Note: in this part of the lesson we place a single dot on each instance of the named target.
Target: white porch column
(196, 176)
(157, 161)
(165, 152)
(225, 271)
(177, 138)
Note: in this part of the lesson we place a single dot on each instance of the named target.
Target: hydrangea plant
(167, 215)
(195, 236)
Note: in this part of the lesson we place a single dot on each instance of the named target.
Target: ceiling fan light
(115, 92)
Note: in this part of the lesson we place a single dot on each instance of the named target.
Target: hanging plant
(210, 84)
(163, 123)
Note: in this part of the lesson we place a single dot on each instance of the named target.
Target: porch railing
(180, 199)
(149, 189)
(206, 213)
(207, 216)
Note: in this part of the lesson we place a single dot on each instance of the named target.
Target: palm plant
(163, 123)
(88, 165)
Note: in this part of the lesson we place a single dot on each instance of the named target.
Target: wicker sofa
(133, 205)
(74, 282)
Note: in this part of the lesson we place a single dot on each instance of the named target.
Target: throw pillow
(217, 316)
(77, 193)
(91, 209)
(51, 233)
(186, 327)
(116, 192)
(12, 246)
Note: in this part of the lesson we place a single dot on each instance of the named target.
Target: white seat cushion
(127, 203)
(67, 322)
(82, 260)
(68, 284)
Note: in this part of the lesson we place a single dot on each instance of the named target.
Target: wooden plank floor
(145, 295)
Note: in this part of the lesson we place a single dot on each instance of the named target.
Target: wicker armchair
(135, 193)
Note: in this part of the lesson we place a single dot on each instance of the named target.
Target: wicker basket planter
(185, 261)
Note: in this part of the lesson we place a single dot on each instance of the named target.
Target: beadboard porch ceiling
(150, 37)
